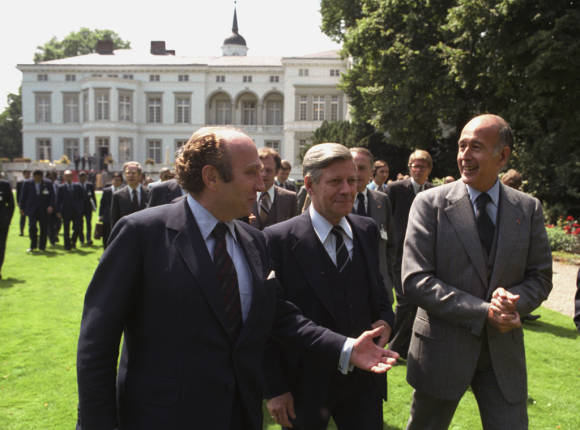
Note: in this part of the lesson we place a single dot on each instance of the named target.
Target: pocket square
(272, 275)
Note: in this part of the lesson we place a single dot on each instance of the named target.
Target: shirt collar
(322, 227)
(270, 192)
(205, 220)
(493, 193)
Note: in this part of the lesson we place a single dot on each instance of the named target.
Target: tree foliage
(76, 43)
(421, 69)
(11, 127)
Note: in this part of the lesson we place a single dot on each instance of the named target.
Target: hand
(251, 218)
(22, 212)
(281, 409)
(503, 321)
(58, 214)
(503, 301)
(366, 355)
(386, 335)
(49, 210)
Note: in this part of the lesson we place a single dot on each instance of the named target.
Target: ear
(308, 184)
(504, 155)
(210, 176)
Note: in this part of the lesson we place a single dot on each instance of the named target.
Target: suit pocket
(428, 329)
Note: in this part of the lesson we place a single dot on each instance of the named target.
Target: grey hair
(323, 155)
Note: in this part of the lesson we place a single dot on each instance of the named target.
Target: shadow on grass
(546, 327)
(10, 282)
(79, 251)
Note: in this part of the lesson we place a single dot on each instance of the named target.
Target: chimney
(105, 47)
(170, 52)
(158, 47)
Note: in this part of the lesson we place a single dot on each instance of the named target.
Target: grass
(41, 297)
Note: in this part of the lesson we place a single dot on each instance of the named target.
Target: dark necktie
(485, 226)
(134, 201)
(360, 207)
(227, 280)
(265, 205)
(342, 258)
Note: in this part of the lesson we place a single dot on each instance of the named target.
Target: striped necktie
(342, 258)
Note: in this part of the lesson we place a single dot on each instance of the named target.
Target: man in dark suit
(105, 206)
(164, 193)
(26, 176)
(89, 205)
(6, 212)
(327, 262)
(37, 202)
(282, 177)
(133, 197)
(69, 208)
(476, 259)
(274, 204)
(376, 205)
(402, 193)
(577, 302)
(54, 222)
(187, 286)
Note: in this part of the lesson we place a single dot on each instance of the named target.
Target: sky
(193, 28)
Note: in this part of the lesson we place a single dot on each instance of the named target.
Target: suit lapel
(460, 214)
(410, 193)
(375, 209)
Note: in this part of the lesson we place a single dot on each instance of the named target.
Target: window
(112, 75)
(102, 105)
(274, 78)
(274, 112)
(125, 149)
(318, 108)
(154, 78)
(302, 72)
(70, 104)
(42, 103)
(223, 112)
(70, 78)
(72, 148)
(154, 150)
(179, 144)
(220, 78)
(126, 106)
(248, 113)
(303, 108)
(102, 147)
(183, 78)
(43, 149)
(85, 145)
(182, 109)
(128, 76)
(247, 78)
(274, 144)
(85, 105)
(334, 72)
(42, 77)
(334, 108)
(154, 108)
(302, 143)
(96, 75)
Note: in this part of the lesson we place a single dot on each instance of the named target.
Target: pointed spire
(235, 24)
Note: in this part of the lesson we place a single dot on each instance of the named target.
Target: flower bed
(564, 235)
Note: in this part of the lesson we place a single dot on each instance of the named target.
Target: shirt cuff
(344, 365)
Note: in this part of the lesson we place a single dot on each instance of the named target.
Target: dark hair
(37, 172)
(377, 165)
(267, 152)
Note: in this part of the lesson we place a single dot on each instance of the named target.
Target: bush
(565, 235)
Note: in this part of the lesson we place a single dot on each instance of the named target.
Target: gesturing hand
(366, 355)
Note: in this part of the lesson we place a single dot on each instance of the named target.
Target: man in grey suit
(476, 259)
(274, 204)
(133, 197)
(377, 206)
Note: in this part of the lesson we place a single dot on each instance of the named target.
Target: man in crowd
(274, 204)
(187, 285)
(282, 179)
(89, 205)
(6, 212)
(377, 206)
(476, 260)
(402, 193)
(37, 202)
(54, 222)
(380, 175)
(69, 208)
(166, 192)
(327, 262)
(165, 174)
(26, 176)
(105, 206)
(131, 198)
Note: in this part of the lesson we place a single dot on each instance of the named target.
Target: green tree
(76, 43)
(11, 127)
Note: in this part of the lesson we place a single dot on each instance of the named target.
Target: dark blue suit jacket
(69, 203)
(30, 202)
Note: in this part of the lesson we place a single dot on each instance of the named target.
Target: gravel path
(561, 298)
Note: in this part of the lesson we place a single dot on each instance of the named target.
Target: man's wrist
(344, 365)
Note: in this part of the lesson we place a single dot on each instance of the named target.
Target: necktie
(360, 207)
(227, 280)
(134, 201)
(264, 207)
(342, 258)
(485, 227)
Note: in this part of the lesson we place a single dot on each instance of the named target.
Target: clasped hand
(502, 313)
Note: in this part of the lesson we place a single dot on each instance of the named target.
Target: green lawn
(41, 300)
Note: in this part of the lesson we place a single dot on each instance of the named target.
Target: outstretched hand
(366, 355)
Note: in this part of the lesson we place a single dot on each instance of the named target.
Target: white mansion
(141, 106)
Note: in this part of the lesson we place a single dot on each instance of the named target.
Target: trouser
(106, 233)
(3, 235)
(404, 317)
(22, 223)
(54, 224)
(76, 225)
(88, 216)
(41, 217)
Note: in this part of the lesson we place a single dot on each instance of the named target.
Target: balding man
(476, 260)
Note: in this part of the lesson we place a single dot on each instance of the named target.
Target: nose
(259, 183)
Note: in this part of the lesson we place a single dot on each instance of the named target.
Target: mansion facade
(133, 105)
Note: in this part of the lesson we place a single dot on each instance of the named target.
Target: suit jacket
(402, 195)
(6, 203)
(283, 208)
(89, 201)
(30, 202)
(295, 252)
(289, 185)
(180, 368)
(105, 206)
(164, 193)
(379, 209)
(70, 203)
(19, 185)
(121, 204)
(446, 274)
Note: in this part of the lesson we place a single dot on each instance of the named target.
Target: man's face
(26, 175)
(132, 176)
(239, 195)
(82, 178)
(477, 158)
(283, 174)
(362, 163)
(37, 178)
(419, 170)
(117, 181)
(268, 171)
(333, 195)
(381, 175)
